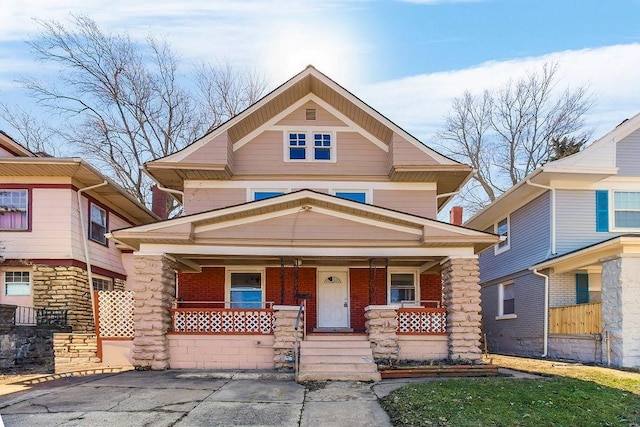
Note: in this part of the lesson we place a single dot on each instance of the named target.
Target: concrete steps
(345, 357)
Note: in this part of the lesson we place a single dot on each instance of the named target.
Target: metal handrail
(296, 348)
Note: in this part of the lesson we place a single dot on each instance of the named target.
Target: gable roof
(594, 163)
(360, 226)
(310, 83)
(12, 146)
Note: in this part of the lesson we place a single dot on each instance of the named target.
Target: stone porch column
(154, 287)
(382, 324)
(461, 293)
(285, 335)
(621, 309)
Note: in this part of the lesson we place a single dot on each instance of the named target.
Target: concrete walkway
(184, 398)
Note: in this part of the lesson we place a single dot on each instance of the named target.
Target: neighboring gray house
(565, 282)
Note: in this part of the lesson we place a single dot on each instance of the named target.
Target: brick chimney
(455, 215)
(159, 201)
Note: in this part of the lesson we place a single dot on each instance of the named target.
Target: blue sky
(408, 59)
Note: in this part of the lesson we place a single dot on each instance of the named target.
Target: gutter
(545, 338)
(85, 241)
(553, 212)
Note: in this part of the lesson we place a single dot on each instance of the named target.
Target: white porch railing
(422, 321)
(222, 321)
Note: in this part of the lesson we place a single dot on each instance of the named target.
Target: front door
(333, 299)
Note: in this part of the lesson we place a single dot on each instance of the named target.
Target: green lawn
(553, 401)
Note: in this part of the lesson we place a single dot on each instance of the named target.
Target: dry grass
(615, 378)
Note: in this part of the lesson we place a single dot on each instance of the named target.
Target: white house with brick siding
(54, 213)
(565, 282)
(309, 207)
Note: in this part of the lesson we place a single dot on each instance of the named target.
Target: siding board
(628, 155)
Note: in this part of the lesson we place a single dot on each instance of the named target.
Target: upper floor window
(626, 209)
(17, 283)
(310, 146)
(356, 196)
(507, 301)
(403, 287)
(261, 195)
(97, 224)
(14, 209)
(501, 228)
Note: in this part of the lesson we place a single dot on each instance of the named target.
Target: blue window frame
(582, 288)
(246, 290)
(356, 196)
(322, 146)
(297, 146)
(261, 195)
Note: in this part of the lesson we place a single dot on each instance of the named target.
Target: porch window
(506, 301)
(17, 283)
(245, 290)
(102, 283)
(501, 228)
(626, 209)
(97, 224)
(582, 288)
(14, 209)
(402, 288)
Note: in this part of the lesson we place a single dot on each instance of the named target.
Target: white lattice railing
(422, 321)
(222, 321)
(115, 314)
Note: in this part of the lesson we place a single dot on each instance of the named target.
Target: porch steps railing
(337, 357)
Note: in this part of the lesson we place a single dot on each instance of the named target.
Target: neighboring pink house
(49, 241)
(308, 197)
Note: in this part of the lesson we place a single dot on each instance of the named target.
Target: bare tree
(125, 102)
(35, 135)
(508, 133)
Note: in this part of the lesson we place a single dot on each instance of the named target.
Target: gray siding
(628, 155)
(524, 334)
(576, 220)
(530, 241)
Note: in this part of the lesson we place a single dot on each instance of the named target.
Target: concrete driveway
(193, 398)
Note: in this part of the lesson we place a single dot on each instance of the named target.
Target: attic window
(310, 114)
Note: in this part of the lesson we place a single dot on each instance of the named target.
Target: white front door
(333, 299)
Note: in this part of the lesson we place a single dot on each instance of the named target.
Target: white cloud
(418, 103)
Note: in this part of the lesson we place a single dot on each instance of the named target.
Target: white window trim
(251, 192)
(309, 148)
(612, 212)
(416, 282)
(496, 249)
(367, 191)
(109, 279)
(3, 278)
(501, 315)
(227, 283)
(106, 223)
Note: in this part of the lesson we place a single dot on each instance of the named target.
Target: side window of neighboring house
(14, 209)
(102, 283)
(261, 195)
(97, 224)
(617, 210)
(506, 301)
(402, 287)
(245, 289)
(17, 283)
(314, 146)
(501, 228)
(582, 288)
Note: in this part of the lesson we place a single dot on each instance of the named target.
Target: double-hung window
(310, 146)
(356, 196)
(626, 209)
(245, 290)
(266, 194)
(17, 283)
(14, 210)
(501, 228)
(102, 283)
(97, 224)
(402, 287)
(506, 301)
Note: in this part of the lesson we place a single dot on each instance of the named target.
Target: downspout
(545, 338)
(553, 213)
(85, 241)
(160, 186)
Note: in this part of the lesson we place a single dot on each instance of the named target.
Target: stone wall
(584, 348)
(64, 287)
(460, 277)
(382, 324)
(154, 286)
(27, 347)
(75, 350)
(285, 336)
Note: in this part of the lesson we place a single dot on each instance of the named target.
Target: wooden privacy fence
(576, 319)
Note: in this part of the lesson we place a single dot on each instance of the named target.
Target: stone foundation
(27, 348)
(583, 348)
(381, 323)
(460, 277)
(285, 336)
(75, 351)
